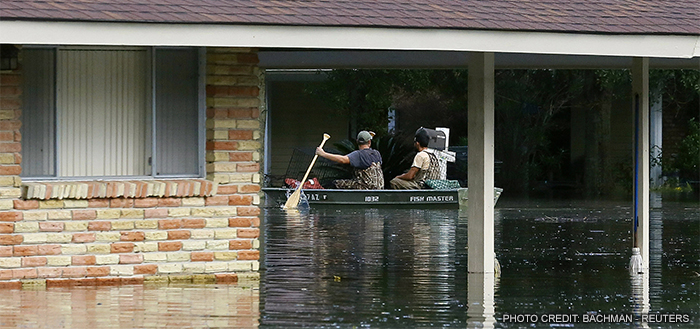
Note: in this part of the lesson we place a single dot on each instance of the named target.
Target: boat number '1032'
(372, 198)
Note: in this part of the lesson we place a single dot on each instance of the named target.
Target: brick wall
(127, 232)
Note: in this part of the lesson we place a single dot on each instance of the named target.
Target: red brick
(83, 237)
(26, 250)
(121, 203)
(121, 247)
(10, 124)
(6, 251)
(178, 235)
(239, 222)
(5, 274)
(7, 136)
(83, 260)
(217, 113)
(240, 244)
(9, 170)
(248, 232)
(169, 224)
(219, 200)
(74, 272)
(99, 226)
(222, 146)
(49, 249)
(240, 200)
(26, 204)
(98, 203)
(84, 214)
(227, 189)
(134, 280)
(51, 227)
(33, 261)
(169, 246)
(249, 188)
(11, 216)
(202, 256)
(240, 156)
(57, 283)
(84, 282)
(24, 273)
(18, 157)
(110, 281)
(247, 113)
(132, 236)
(248, 167)
(6, 239)
(169, 202)
(49, 272)
(255, 221)
(193, 223)
(240, 134)
(10, 79)
(11, 285)
(226, 278)
(10, 228)
(146, 269)
(97, 271)
(156, 213)
(248, 255)
(248, 211)
(146, 203)
(8, 148)
(130, 258)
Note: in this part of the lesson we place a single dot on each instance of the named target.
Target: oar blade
(293, 200)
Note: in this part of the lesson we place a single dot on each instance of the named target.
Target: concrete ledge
(118, 189)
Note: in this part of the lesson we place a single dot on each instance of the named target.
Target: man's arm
(409, 175)
(333, 157)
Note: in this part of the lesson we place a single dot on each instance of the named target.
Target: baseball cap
(364, 136)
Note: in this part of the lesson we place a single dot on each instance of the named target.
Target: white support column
(656, 135)
(640, 103)
(481, 289)
(481, 256)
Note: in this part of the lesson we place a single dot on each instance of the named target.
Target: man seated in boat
(366, 163)
(425, 166)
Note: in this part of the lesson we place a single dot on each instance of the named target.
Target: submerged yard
(406, 268)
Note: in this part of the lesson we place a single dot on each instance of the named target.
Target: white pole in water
(480, 236)
(640, 222)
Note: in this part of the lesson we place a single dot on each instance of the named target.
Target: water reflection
(407, 268)
(374, 267)
(175, 306)
(480, 298)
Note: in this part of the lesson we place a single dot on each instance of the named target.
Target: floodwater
(563, 263)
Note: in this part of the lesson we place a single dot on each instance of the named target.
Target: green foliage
(687, 162)
(397, 155)
(366, 95)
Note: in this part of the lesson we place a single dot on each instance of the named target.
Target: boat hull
(452, 198)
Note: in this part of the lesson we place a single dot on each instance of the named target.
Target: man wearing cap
(425, 166)
(366, 163)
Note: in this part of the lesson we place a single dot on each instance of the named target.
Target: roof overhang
(683, 50)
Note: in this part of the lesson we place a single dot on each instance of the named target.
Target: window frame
(152, 119)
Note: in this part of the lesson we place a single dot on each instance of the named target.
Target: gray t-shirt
(362, 159)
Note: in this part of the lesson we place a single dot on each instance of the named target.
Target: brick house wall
(58, 233)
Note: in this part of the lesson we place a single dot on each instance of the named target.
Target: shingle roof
(586, 16)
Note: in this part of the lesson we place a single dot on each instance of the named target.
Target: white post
(480, 300)
(481, 256)
(656, 135)
(640, 105)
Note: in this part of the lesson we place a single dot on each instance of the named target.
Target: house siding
(63, 233)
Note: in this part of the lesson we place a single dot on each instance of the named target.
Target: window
(103, 112)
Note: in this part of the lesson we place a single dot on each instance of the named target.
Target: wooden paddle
(293, 200)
